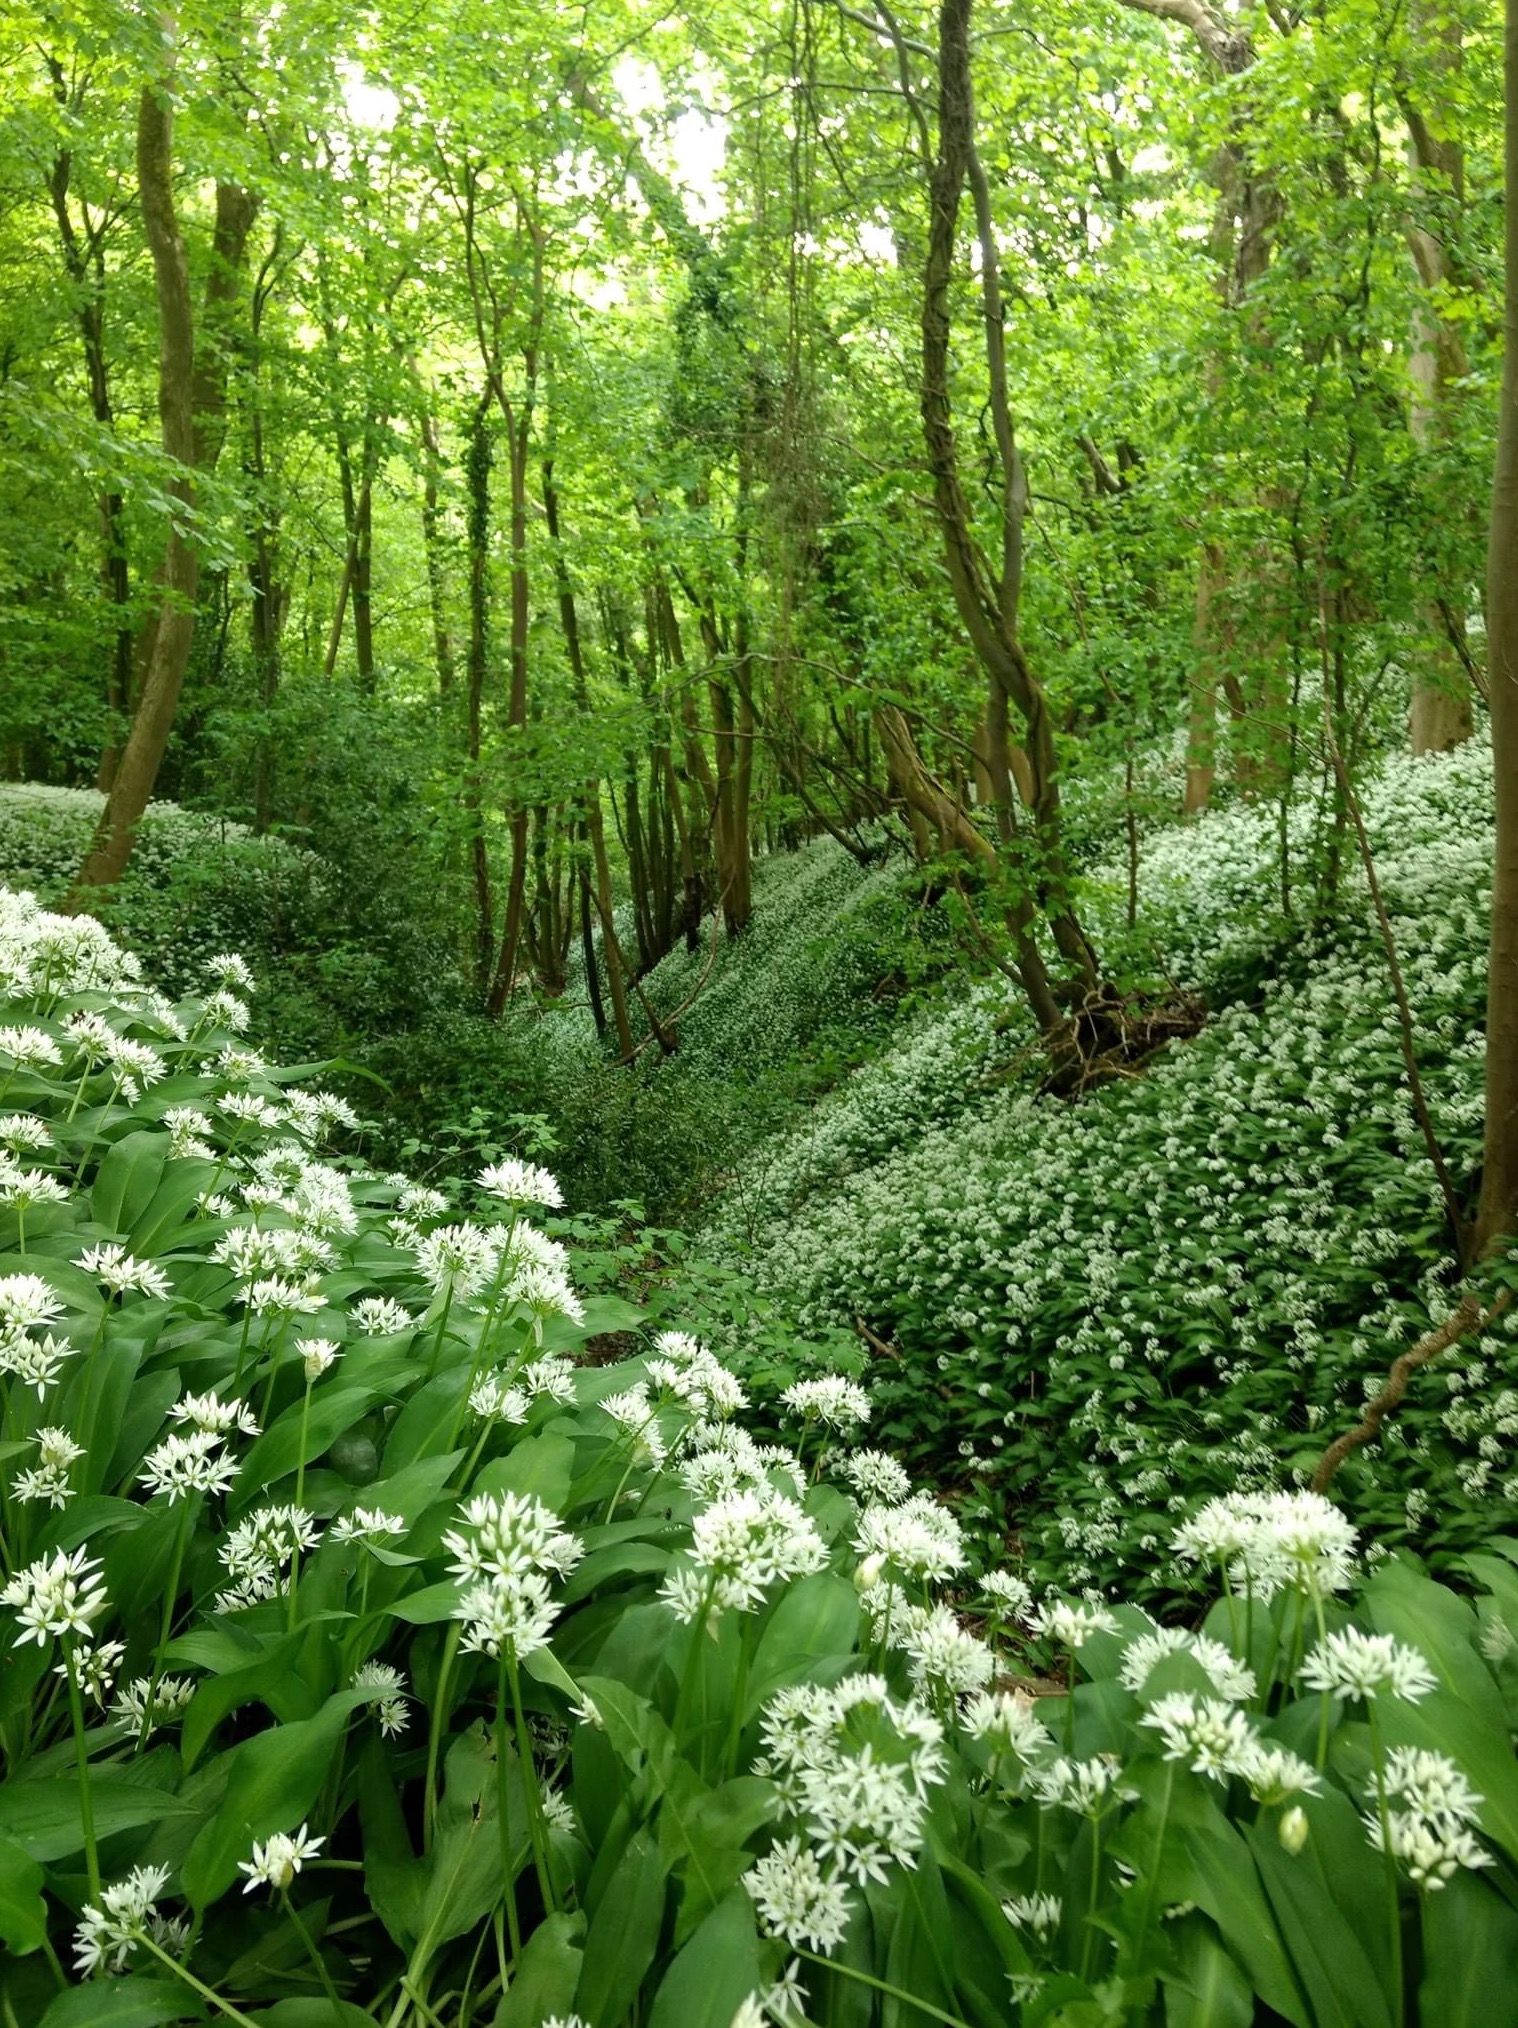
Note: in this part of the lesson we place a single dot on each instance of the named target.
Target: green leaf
(23, 1911)
(1470, 1953)
(127, 1180)
(275, 1778)
(1208, 1990)
(546, 1976)
(42, 1817)
(715, 1972)
(279, 1450)
(541, 1466)
(123, 2003)
(815, 1621)
(271, 1679)
(1329, 1902)
(1223, 1880)
(624, 1936)
(163, 1219)
(314, 2013)
(465, 1875)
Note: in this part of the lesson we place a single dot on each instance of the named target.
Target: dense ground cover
(1195, 1277)
(372, 1655)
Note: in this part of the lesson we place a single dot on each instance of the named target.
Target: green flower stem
(89, 1146)
(435, 1730)
(688, 1673)
(1152, 1885)
(166, 1627)
(300, 1494)
(1070, 1701)
(89, 1072)
(206, 1993)
(1088, 1943)
(740, 1698)
(632, 1459)
(503, 1821)
(535, 1824)
(82, 1768)
(1325, 1696)
(1393, 1890)
(316, 1958)
(242, 1346)
(442, 1326)
(881, 1986)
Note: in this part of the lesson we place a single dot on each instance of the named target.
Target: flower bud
(868, 1573)
(1292, 1829)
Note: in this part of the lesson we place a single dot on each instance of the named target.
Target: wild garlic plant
(369, 1652)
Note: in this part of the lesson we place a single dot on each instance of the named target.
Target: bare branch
(1467, 1318)
(1228, 51)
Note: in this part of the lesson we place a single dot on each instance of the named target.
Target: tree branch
(1468, 1318)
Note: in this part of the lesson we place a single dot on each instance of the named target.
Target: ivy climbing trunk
(169, 652)
(1497, 1215)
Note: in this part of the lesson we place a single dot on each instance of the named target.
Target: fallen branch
(1468, 1317)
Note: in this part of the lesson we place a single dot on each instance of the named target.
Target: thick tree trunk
(1497, 1217)
(164, 670)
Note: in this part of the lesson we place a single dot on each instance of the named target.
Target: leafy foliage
(379, 1657)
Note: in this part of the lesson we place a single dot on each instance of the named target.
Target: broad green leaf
(1329, 1900)
(23, 1911)
(314, 2013)
(814, 1622)
(279, 1450)
(1470, 1957)
(275, 1778)
(548, 1971)
(127, 1179)
(42, 1817)
(541, 1466)
(129, 2002)
(1208, 1990)
(715, 1972)
(623, 1936)
(272, 1679)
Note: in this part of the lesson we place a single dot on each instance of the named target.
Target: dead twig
(1468, 1317)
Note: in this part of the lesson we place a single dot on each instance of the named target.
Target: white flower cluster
(1431, 1833)
(742, 1544)
(1269, 1542)
(855, 1767)
(257, 1551)
(831, 1399)
(504, 1553)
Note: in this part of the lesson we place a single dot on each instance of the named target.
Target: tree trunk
(986, 596)
(1497, 1216)
(477, 523)
(163, 674)
(84, 259)
(432, 545)
(1440, 710)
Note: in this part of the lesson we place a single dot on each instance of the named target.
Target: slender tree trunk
(518, 431)
(1497, 1216)
(163, 675)
(432, 545)
(477, 471)
(1440, 712)
(593, 822)
(987, 595)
